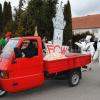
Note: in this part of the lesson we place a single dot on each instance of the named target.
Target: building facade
(90, 23)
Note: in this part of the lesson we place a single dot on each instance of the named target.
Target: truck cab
(21, 64)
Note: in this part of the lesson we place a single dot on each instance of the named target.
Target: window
(9, 48)
(29, 48)
(95, 30)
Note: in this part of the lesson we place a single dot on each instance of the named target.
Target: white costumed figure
(86, 46)
(98, 48)
(96, 56)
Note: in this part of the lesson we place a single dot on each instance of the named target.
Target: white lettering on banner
(57, 48)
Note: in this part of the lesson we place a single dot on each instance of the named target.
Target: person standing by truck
(87, 46)
(96, 56)
(98, 48)
(44, 41)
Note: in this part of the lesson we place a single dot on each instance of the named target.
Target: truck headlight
(4, 74)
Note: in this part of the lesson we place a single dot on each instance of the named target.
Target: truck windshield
(8, 49)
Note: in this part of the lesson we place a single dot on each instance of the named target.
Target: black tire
(74, 78)
(2, 93)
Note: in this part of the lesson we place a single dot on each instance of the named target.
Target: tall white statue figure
(59, 24)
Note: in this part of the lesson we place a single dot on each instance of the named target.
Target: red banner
(57, 48)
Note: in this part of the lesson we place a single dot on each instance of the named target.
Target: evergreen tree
(35, 9)
(9, 12)
(38, 13)
(50, 13)
(20, 19)
(7, 17)
(22, 24)
(1, 19)
(17, 19)
(67, 35)
(42, 11)
(5, 14)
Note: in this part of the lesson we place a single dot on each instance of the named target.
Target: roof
(86, 22)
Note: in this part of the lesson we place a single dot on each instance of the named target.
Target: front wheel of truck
(2, 93)
(73, 78)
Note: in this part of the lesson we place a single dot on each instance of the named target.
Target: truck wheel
(74, 78)
(2, 93)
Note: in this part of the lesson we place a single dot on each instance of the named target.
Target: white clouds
(85, 7)
(14, 3)
(78, 7)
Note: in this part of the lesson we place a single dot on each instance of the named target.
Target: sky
(78, 7)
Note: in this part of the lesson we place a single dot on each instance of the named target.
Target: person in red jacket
(7, 36)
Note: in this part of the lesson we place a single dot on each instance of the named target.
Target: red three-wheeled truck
(20, 71)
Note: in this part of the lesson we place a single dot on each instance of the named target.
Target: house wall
(96, 31)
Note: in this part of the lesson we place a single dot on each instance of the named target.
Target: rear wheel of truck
(2, 93)
(74, 78)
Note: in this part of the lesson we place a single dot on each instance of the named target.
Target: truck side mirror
(17, 52)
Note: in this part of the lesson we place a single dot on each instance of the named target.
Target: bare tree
(21, 3)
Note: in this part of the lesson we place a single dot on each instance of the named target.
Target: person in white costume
(87, 46)
(98, 48)
(96, 56)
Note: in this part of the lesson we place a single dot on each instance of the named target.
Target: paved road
(88, 89)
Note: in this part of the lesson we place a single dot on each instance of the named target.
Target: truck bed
(70, 62)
